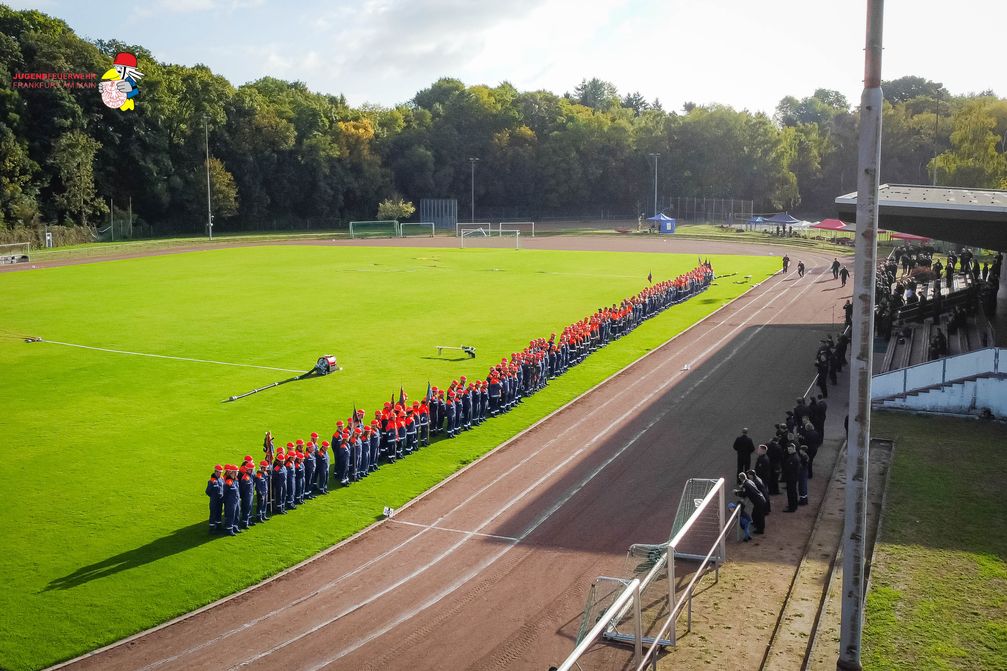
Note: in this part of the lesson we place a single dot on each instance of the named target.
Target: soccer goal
(15, 252)
(527, 227)
(466, 237)
(485, 226)
(416, 229)
(642, 610)
(375, 229)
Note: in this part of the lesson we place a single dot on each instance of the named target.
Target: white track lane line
(457, 531)
(486, 563)
(616, 422)
(165, 356)
(334, 583)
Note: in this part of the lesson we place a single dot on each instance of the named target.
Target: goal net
(414, 229)
(483, 237)
(15, 252)
(374, 229)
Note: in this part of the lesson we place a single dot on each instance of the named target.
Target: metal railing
(605, 627)
(936, 373)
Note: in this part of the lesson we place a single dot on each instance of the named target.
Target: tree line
(280, 152)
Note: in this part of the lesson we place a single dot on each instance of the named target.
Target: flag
(393, 398)
(353, 420)
(267, 446)
(426, 399)
(402, 397)
(650, 278)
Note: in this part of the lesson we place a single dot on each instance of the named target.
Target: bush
(61, 235)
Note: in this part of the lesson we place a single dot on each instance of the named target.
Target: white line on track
(614, 423)
(165, 356)
(457, 531)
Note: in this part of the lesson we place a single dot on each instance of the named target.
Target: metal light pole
(209, 211)
(857, 454)
(472, 164)
(655, 182)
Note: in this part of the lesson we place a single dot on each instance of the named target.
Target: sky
(741, 53)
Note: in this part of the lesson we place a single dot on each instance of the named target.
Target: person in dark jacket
(748, 489)
(261, 481)
(764, 468)
(791, 474)
(802, 476)
(813, 441)
(230, 500)
(775, 454)
(762, 489)
(279, 484)
(744, 446)
(215, 490)
(246, 493)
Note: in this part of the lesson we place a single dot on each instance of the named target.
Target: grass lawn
(105, 533)
(938, 596)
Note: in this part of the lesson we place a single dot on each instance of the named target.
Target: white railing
(936, 373)
(630, 596)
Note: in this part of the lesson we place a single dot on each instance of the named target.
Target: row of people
(359, 447)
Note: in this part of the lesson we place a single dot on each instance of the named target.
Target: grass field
(938, 596)
(105, 533)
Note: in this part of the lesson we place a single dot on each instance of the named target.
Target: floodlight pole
(862, 347)
(655, 182)
(209, 211)
(472, 163)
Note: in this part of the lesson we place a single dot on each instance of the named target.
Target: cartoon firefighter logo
(119, 84)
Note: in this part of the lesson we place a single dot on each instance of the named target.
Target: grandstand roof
(976, 217)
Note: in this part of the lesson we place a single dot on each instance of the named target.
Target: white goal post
(466, 233)
(15, 252)
(614, 610)
(524, 226)
(388, 228)
(426, 228)
(473, 225)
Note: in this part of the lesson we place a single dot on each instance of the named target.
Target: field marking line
(542, 518)
(165, 356)
(457, 531)
(415, 500)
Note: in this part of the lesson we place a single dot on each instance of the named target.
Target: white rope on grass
(165, 356)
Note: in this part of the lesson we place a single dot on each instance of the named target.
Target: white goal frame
(486, 233)
(472, 225)
(515, 225)
(432, 225)
(627, 603)
(15, 252)
(396, 228)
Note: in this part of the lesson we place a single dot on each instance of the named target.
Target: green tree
(73, 158)
(395, 208)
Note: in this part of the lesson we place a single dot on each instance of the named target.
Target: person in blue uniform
(291, 480)
(246, 492)
(375, 444)
(230, 500)
(279, 484)
(322, 467)
(309, 467)
(215, 490)
(299, 476)
(261, 482)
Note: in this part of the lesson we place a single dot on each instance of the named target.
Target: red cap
(325, 443)
(248, 458)
(339, 423)
(264, 463)
(300, 442)
(314, 434)
(125, 58)
(290, 444)
(218, 467)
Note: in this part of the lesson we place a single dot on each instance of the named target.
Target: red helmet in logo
(125, 58)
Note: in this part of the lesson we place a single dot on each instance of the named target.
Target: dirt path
(490, 569)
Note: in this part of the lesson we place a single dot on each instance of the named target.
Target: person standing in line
(262, 491)
(774, 451)
(215, 490)
(744, 447)
(802, 475)
(230, 500)
(791, 474)
(748, 489)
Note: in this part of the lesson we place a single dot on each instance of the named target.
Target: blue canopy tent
(666, 225)
(782, 218)
(755, 221)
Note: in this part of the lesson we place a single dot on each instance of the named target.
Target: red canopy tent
(830, 225)
(910, 237)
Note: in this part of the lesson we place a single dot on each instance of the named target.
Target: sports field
(105, 529)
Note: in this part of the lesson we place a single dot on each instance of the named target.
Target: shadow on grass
(440, 358)
(177, 541)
